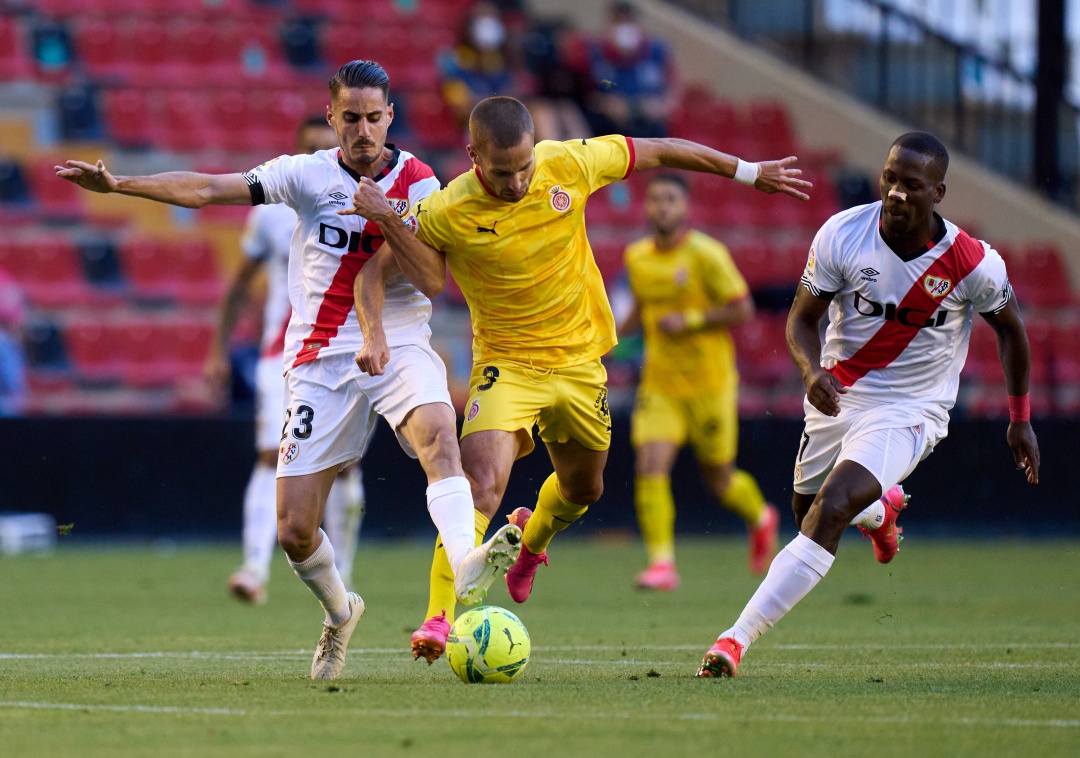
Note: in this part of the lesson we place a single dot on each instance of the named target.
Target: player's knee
(486, 492)
(833, 507)
(439, 453)
(296, 539)
(582, 493)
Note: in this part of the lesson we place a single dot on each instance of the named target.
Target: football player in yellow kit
(512, 231)
(687, 294)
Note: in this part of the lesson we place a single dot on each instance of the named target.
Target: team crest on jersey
(936, 286)
(290, 449)
(399, 205)
(798, 473)
(474, 410)
(560, 198)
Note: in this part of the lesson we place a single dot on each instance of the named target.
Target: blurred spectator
(12, 352)
(491, 58)
(478, 66)
(634, 83)
(559, 63)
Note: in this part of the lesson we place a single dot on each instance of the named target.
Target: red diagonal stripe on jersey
(337, 301)
(893, 337)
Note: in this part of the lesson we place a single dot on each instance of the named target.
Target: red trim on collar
(487, 189)
(633, 157)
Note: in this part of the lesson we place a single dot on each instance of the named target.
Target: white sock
(321, 576)
(794, 572)
(872, 517)
(260, 521)
(450, 504)
(342, 519)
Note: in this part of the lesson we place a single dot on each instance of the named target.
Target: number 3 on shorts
(305, 414)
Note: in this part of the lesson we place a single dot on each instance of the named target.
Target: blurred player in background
(267, 239)
(899, 284)
(332, 406)
(687, 294)
(513, 232)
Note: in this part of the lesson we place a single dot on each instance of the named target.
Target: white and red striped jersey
(328, 250)
(898, 330)
(267, 238)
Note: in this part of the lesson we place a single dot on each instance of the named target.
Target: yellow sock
(441, 596)
(656, 516)
(553, 513)
(743, 497)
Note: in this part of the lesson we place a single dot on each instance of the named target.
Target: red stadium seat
(1065, 356)
(96, 349)
(983, 364)
(57, 198)
(147, 268)
(103, 46)
(769, 126)
(1041, 277)
(761, 349)
(432, 121)
(129, 118)
(197, 276)
(147, 354)
(186, 121)
(14, 63)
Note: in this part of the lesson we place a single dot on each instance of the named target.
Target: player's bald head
(500, 123)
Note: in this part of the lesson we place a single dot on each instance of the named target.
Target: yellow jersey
(698, 273)
(526, 268)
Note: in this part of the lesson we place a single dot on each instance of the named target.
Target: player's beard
(369, 157)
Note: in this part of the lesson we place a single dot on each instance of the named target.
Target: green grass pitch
(956, 648)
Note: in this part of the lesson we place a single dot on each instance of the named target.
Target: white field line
(402, 651)
(575, 715)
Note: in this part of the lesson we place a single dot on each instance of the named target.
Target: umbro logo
(338, 198)
(869, 274)
(484, 229)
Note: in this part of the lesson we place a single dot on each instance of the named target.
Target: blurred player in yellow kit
(512, 231)
(687, 294)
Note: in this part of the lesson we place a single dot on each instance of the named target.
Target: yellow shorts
(709, 422)
(566, 403)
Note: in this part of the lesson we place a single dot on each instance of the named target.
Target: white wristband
(747, 173)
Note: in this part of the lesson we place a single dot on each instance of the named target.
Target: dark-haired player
(900, 285)
(266, 242)
(331, 404)
(687, 295)
(513, 233)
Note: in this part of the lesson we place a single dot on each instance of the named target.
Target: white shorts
(332, 406)
(269, 402)
(888, 442)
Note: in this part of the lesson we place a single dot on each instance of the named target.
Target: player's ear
(473, 155)
(939, 192)
(389, 114)
(330, 115)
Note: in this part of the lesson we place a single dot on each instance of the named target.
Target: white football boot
(484, 564)
(329, 657)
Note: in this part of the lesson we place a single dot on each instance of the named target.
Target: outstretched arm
(184, 188)
(421, 264)
(771, 176)
(1015, 356)
(823, 390)
(369, 294)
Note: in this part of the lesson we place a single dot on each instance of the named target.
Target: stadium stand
(122, 305)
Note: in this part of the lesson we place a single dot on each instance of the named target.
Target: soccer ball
(488, 645)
